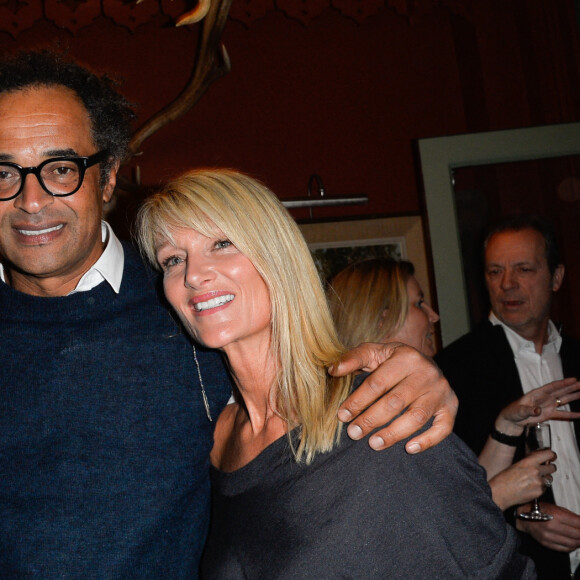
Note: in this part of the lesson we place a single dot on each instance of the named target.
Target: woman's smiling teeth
(213, 303)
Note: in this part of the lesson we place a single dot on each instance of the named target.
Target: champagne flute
(537, 437)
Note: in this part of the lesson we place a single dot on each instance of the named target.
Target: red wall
(333, 98)
(338, 98)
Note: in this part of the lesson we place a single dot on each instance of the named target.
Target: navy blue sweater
(104, 439)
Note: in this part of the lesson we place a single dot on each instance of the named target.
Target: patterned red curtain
(72, 15)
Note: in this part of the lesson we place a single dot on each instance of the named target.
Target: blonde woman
(292, 496)
(380, 300)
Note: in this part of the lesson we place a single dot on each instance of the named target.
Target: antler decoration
(212, 62)
(193, 16)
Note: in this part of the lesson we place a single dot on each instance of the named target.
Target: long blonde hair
(369, 300)
(304, 340)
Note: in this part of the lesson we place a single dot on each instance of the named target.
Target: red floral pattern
(130, 14)
(17, 16)
(72, 15)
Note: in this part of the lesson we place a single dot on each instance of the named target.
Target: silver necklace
(204, 396)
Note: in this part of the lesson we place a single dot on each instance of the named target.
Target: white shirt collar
(518, 343)
(109, 266)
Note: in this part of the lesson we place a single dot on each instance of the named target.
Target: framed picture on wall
(332, 257)
(335, 244)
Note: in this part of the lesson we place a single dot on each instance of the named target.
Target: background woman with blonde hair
(380, 300)
(292, 497)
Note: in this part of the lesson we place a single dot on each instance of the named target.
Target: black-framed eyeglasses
(59, 176)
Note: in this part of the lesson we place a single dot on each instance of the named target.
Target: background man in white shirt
(519, 349)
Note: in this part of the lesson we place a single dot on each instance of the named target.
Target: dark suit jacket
(481, 369)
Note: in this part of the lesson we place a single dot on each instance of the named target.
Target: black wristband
(511, 440)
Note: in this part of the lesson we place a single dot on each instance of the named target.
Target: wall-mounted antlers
(212, 62)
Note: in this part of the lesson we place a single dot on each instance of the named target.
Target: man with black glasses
(104, 407)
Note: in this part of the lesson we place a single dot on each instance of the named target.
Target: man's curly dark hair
(110, 113)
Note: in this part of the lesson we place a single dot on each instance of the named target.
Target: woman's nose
(198, 273)
(433, 316)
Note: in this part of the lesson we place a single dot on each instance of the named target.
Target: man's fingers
(406, 381)
(439, 430)
(399, 429)
(415, 418)
(394, 372)
(364, 357)
(408, 424)
(383, 410)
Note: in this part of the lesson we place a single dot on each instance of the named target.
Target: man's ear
(557, 277)
(109, 188)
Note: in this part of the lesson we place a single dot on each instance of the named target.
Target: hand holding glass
(537, 437)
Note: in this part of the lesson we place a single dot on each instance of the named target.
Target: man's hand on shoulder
(401, 378)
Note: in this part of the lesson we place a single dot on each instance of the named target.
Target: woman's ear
(382, 318)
